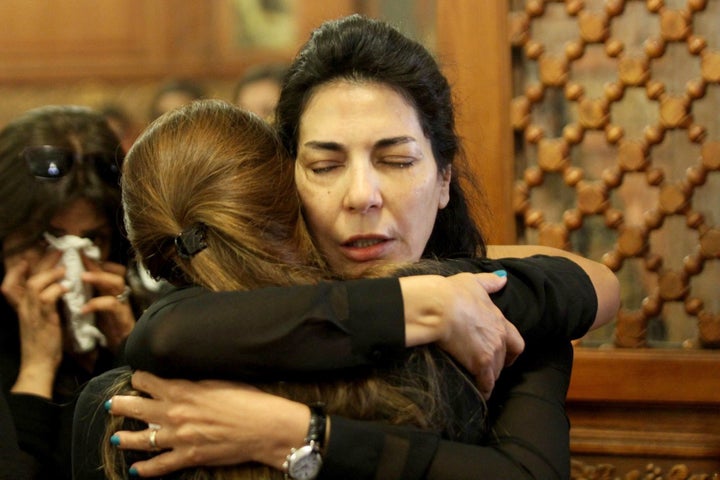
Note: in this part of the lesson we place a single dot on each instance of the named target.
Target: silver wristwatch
(304, 463)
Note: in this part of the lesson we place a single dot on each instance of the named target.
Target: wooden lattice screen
(618, 152)
(612, 112)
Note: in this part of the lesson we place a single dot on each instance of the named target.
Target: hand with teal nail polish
(473, 330)
(115, 440)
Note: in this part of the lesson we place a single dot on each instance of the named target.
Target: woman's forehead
(355, 109)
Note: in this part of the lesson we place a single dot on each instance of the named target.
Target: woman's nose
(363, 190)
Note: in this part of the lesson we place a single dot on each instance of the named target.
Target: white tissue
(82, 327)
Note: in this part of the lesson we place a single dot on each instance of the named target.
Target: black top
(39, 427)
(14, 463)
(528, 435)
(195, 333)
(270, 332)
(42, 426)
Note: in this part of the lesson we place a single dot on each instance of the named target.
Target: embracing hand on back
(207, 423)
(457, 312)
(479, 336)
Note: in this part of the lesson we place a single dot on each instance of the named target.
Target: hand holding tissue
(82, 327)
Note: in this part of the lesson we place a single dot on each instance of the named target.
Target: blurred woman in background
(65, 302)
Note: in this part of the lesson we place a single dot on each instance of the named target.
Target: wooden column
(473, 50)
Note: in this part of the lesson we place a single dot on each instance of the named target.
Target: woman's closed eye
(322, 167)
(398, 161)
(321, 170)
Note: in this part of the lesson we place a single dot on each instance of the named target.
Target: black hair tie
(191, 241)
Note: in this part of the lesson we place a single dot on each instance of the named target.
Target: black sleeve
(546, 298)
(14, 463)
(37, 423)
(529, 438)
(195, 333)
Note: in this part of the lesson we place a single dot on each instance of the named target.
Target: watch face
(305, 463)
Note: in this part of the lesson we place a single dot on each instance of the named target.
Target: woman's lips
(365, 249)
(364, 242)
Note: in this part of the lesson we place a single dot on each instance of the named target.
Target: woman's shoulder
(99, 388)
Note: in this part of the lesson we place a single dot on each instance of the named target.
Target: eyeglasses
(50, 163)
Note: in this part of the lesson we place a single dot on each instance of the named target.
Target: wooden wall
(55, 40)
(482, 93)
(93, 52)
(636, 412)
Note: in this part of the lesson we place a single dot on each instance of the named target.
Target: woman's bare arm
(606, 284)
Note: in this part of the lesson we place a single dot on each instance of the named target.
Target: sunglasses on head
(47, 162)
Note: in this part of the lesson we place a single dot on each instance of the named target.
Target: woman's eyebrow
(316, 144)
(335, 146)
(389, 142)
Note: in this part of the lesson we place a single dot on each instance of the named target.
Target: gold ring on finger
(152, 441)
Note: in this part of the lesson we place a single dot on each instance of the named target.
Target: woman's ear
(444, 197)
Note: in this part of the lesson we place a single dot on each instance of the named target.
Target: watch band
(318, 422)
(304, 463)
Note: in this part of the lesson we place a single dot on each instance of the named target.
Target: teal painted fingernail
(115, 440)
(500, 273)
(133, 472)
(108, 405)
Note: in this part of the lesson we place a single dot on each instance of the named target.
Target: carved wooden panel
(635, 469)
(618, 153)
(606, 163)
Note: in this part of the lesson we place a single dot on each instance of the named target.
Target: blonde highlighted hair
(213, 164)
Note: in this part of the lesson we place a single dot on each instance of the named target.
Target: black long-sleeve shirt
(195, 333)
(40, 427)
(15, 464)
(268, 333)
